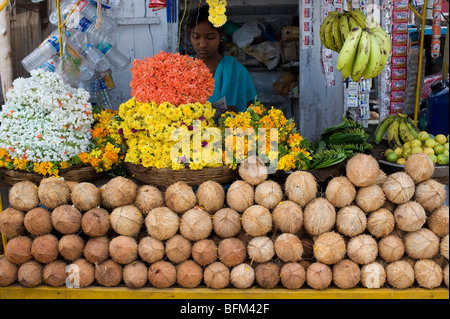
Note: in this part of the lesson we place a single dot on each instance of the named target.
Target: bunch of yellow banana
(400, 129)
(363, 51)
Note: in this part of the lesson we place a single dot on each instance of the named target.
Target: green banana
(374, 58)
(351, 21)
(393, 135)
(350, 46)
(362, 57)
(382, 128)
(405, 134)
(411, 125)
(344, 26)
(336, 34)
(324, 24)
(328, 34)
(359, 17)
(412, 130)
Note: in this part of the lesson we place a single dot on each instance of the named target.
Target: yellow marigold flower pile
(292, 150)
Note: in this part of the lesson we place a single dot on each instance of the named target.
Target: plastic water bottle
(87, 71)
(91, 86)
(48, 48)
(103, 97)
(94, 56)
(65, 7)
(115, 57)
(108, 4)
(97, 36)
(52, 64)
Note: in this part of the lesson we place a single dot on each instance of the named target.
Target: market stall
(162, 198)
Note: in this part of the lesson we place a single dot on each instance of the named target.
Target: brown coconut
(446, 275)
(38, 221)
(438, 221)
(117, 192)
(162, 274)
(23, 196)
(151, 249)
(329, 248)
(288, 247)
(18, 250)
(400, 274)
(126, 220)
(443, 247)
(86, 196)
(391, 248)
(430, 194)
(178, 249)
(53, 192)
(253, 170)
(54, 273)
(162, 223)
(227, 223)
(95, 222)
(196, 224)
(123, 249)
(242, 276)
(210, 196)
(420, 167)
(373, 276)
(66, 219)
(180, 197)
(319, 276)
(292, 275)
(204, 252)
(148, 197)
(240, 196)
(72, 185)
(257, 220)
(351, 221)
(216, 275)
(428, 273)
(267, 275)
(399, 188)
(340, 192)
(410, 216)
(80, 273)
(288, 217)
(422, 244)
(268, 194)
(370, 198)
(319, 216)
(29, 274)
(261, 249)
(96, 250)
(362, 170)
(8, 272)
(381, 223)
(362, 249)
(381, 178)
(135, 275)
(301, 187)
(12, 222)
(108, 273)
(232, 252)
(346, 274)
(189, 274)
(44, 249)
(71, 247)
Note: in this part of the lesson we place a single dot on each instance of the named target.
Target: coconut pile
(364, 229)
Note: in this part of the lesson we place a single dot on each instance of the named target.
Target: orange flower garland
(171, 77)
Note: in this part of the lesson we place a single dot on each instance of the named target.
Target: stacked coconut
(364, 229)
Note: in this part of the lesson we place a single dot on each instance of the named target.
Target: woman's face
(205, 40)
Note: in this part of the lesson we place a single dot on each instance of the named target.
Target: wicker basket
(76, 173)
(165, 177)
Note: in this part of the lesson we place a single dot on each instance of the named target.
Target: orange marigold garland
(171, 77)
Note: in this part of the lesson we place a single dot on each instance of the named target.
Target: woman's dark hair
(201, 14)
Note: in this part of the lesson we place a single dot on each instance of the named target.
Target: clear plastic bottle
(115, 57)
(52, 64)
(87, 71)
(42, 53)
(103, 97)
(91, 86)
(94, 56)
(108, 4)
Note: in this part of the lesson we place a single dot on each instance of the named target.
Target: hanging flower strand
(217, 9)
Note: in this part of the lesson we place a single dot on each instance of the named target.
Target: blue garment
(233, 82)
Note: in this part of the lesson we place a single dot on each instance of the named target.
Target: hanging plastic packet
(398, 73)
(399, 61)
(108, 80)
(398, 95)
(71, 60)
(436, 27)
(400, 38)
(156, 5)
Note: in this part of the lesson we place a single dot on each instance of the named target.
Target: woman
(233, 84)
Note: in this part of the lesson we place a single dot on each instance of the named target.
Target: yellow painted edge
(46, 292)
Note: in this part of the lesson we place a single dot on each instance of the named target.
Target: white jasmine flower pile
(45, 119)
